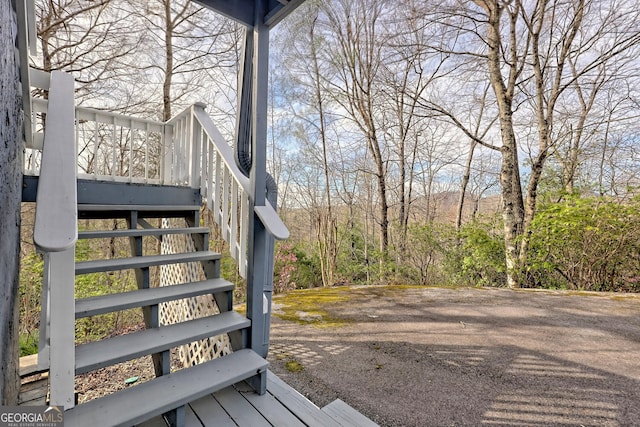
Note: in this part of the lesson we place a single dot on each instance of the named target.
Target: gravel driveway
(411, 356)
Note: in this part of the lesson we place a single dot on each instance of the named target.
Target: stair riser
(207, 258)
(147, 297)
(108, 352)
(109, 234)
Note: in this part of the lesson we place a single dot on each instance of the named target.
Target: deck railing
(114, 147)
(200, 155)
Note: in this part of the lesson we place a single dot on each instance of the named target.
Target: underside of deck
(238, 405)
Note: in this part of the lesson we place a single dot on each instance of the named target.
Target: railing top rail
(226, 153)
(56, 224)
(85, 112)
(267, 214)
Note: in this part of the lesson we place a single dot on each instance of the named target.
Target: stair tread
(145, 208)
(98, 234)
(94, 306)
(136, 404)
(96, 355)
(347, 415)
(112, 264)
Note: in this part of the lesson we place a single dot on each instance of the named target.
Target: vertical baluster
(217, 193)
(226, 188)
(113, 148)
(177, 156)
(244, 234)
(194, 143)
(77, 122)
(45, 319)
(184, 164)
(233, 235)
(166, 147)
(131, 145)
(204, 158)
(96, 136)
(210, 180)
(146, 152)
(61, 273)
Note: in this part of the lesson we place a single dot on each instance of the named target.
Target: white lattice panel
(188, 308)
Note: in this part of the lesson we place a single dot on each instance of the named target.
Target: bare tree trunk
(512, 202)
(477, 136)
(327, 227)
(358, 60)
(570, 165)
(168, 70)
(464, 184)
(603, 158)
(545, 104)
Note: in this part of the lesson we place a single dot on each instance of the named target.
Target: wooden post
(56, 232)
(259, 257)
(62, 352)
(11, 163)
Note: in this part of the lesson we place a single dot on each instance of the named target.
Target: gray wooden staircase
(195, 165)
(169, 391)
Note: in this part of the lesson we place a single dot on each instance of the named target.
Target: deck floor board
(191, 419)
(240, 410)
(238, 406)
(275, 412)
(281, 406)
(210, 413)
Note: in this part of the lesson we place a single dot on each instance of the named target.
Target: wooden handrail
(225, 151)
(55, 233)
(56, 223)
(268, 215)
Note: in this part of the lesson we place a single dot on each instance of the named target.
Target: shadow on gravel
(404, 384)
(471, 358)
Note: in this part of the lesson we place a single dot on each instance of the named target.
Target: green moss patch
(320, 307)
(311, 306)
(293, 366)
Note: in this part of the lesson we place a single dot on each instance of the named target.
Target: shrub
(588, 243)
(285, 261)
(477, 258)
(425, 250)
(29, 343)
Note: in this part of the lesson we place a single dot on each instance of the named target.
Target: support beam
(151, 314)
(260, 253)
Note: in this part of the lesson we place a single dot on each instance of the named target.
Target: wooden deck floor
(239, 406)
(35, 384)
(281, 406)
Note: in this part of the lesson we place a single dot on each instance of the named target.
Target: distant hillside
(441, 207)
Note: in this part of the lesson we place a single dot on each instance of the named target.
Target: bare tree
(193, 42)
(357, 39)
(408, 68)
(90, 39)
(527, 47)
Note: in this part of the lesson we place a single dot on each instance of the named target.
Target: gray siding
(10, 197)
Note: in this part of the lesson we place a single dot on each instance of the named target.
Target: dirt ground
(466, 357)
